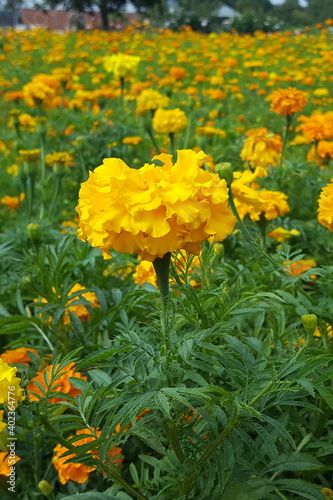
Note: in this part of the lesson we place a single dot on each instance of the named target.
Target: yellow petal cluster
(280, 234)
(169, 121)
(154, 210)
(317, 126)
(150, 100)
(286, 102)
(262, 149)
(253, 202)
(61, 158)
(325, 210)
(121, 65)
(10, 390)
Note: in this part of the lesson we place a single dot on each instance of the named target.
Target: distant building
(10, 19)
(60, 20)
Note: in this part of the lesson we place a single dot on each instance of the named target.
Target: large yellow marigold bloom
(262, 149)
(61, 384)
(121, 65)
(10, 390)
(150, 100)
(37, 93)
(169, 121)
(154, 210)
(325, 210)
(75, 471)
(286, 102)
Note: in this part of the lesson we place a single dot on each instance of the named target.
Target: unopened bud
(34, 231)
(224, 171)
(310, 322)
(45, 487)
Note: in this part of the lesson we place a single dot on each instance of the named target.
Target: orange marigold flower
(325, 210)
(12, 202)
(6, 461)
(80, 310)
(322, 153)
(76, 471)
(154, 210)
(316, 127)
(169, 121)
(286, 102)
(60, 384)
(178, 72)
(299, 267)
(19, 355)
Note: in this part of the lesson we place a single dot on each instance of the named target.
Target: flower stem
(161, 266)
(288, 123)
(56, 193)
(153, 140)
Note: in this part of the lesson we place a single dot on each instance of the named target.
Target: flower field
(166, 272)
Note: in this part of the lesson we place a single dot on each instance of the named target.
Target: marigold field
(166, 298)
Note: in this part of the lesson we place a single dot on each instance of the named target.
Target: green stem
(171, 431)
(228, 430)
(42, 157)
(118, 478)
(152, 137)
(56, 193)
(285, 137)
(261, 393)
(161, 266)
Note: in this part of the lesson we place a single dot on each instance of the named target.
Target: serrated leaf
(326, 395)
(300, 487)
(92, 495)
(254, 489)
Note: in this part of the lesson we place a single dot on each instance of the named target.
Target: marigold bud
(224, 171)
(45, 487)
(34, 231)
(310, 322)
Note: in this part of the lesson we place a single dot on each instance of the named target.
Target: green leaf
(294, 462)
(300, 487)
(162, 404)
(326, 395)
(254, 489)
(92, 495)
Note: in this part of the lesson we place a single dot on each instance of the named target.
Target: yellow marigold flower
(169, 121)
(326, 328)
(327, 492)
(5, 463)
(321, 92)
(12, 202)
(29, 154)
(9, 385)
(150, 100)
(154, 210)
(19, 355)
(61, 384)
(286, 102)
(37, 93)
(252, 202)
(262, 149)
(145, 273)
(3, 425)
(316, 127)
(280, 234)
(76, 471)
(12, 170)
(325, 210)
(121, 65)
(60, 158)
(132, 140)
(211, 131)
